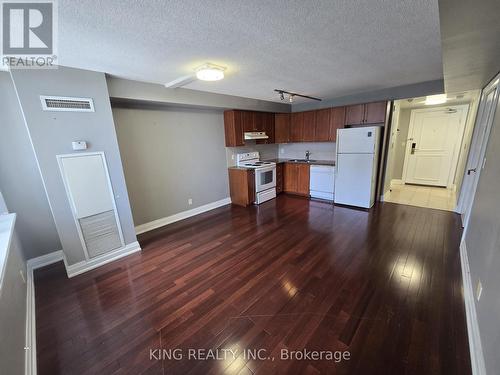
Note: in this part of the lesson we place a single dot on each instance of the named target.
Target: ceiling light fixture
(210, 72)
(291, 95)
(435, 99)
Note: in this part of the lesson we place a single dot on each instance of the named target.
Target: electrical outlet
(479, 290)
(190, 201)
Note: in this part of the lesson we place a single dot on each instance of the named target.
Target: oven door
(265, 178)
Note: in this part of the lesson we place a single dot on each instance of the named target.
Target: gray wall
(20, 179)
(13, 312)
(127, 90)
(171, 155)
(319, 150)
(483, 249)
(53, 132)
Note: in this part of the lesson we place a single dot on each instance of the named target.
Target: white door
(486, 115)
(354, 179)
(434, 138)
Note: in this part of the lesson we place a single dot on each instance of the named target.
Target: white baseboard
(397, 181)
(30, 340)
(87, 265)
(180, 216)
(45, 260)
(30, 343)
(475, 347)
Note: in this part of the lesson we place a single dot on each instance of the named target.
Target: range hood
(256, 135)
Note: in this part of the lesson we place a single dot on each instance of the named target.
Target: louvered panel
(67, 104)
(100, 233)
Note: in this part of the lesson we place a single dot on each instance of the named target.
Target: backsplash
(318, 150)
(266, 151)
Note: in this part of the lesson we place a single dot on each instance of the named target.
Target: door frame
(454, 159)
(469, 186)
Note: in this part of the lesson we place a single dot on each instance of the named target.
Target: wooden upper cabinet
(337, 121)
(370, 113)
(282, 127)
(297, 127)
(268, 127)
(248, 121)
(309, 126)
(355, 114)
(322, 125)
(375, 112)
(233, 128)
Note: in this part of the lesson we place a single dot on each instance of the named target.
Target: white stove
(265, 175)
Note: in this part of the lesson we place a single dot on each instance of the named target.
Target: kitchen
(254, 179)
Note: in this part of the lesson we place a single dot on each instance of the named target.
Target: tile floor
(422, 196)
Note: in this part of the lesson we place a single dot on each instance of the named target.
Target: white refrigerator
(356, 166)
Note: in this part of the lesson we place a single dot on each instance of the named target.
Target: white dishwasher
(321, 183)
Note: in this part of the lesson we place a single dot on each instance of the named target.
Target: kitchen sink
(302, 160)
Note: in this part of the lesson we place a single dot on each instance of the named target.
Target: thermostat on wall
(79, 145)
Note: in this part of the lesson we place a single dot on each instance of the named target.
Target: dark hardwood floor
(291, 274)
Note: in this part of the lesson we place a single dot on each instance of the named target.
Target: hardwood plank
(290, 274)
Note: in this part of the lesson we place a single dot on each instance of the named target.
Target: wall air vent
(67, 104)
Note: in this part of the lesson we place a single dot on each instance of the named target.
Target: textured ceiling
(324, 48)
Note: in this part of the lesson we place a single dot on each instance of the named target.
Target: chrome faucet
(308, 154)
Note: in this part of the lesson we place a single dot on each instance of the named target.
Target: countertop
(315, 162)
(277, 161)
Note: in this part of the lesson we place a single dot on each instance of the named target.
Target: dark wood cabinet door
(337, 121)
(375, 112)
(258, 123)
(247, 121)
(303, 179)
(290, 177)
(297, 127)
(242, 186)
(268, 127)
(309, 126)
(322, 125)
(355, 114)
(282, 127)
(233, 130)
(279, 178)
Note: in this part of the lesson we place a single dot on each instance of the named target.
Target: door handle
(471, 170)
(413, 146)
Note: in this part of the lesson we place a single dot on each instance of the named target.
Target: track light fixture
(291, 95)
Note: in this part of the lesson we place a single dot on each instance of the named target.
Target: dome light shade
(210, 72)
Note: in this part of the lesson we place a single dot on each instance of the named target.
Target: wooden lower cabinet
(296, 178)
(279, 178)
(242, 186)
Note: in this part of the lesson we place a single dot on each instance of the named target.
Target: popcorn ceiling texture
(326, 48)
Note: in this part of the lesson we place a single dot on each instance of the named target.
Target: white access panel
(87, 183)
(90, 194)
(354, 180)
(357, 140)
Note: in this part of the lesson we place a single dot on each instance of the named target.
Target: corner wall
(52, 133)
(20, 180)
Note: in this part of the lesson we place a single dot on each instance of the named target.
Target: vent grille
(67, 104)
(100, 233)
